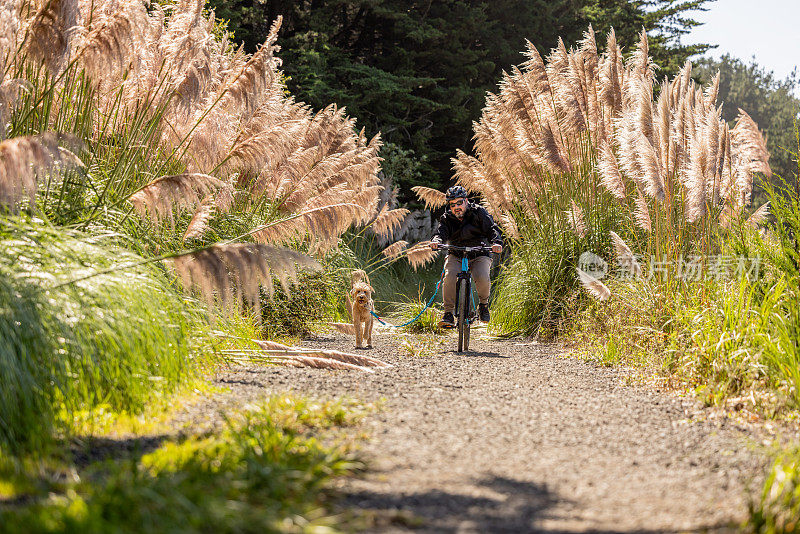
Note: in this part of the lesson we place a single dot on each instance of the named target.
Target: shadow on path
(502, 505)
(508, 506)
(88, 450)
(477, 354)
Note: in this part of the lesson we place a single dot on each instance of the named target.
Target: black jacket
(475, 229)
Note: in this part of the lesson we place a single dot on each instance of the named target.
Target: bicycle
(464, 312)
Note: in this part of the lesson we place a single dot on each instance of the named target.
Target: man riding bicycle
(466, 224)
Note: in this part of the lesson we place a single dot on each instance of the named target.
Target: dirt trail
(519, 437)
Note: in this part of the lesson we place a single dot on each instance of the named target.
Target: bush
(292, 314)
(578, 144)
(778, 511)
(265, 472)
(114, 339)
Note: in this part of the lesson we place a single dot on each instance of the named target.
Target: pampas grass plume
(625, 257)
(595, 287)
(420, 254)
(23, 160)
(433, 198)
(395, 249)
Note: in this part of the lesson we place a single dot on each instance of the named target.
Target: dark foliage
(418, 70)
(771, 102)
(293, 314)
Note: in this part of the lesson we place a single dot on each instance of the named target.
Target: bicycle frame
(463, 305)
(464, 277)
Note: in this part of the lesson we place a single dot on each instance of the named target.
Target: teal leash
(428, 305)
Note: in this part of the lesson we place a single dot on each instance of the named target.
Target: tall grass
(537, 291)
(145, 121)
(114, 340)
(183, 139)
(724, 336)
(583, 136)
(780, 247)
(709, 335)
(264, 472)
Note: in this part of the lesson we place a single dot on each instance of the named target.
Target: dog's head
(359, 275)
(361, 293)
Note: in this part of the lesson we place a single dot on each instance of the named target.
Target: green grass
(427, 321)
(721, 336)
(269, 470)
(537, 291)
(117, 339)
(780, 249)
(121, 149)
(778, 509)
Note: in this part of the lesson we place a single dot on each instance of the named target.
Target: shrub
(778, 510)
(265, 472)
(113, 339)
(293, 313)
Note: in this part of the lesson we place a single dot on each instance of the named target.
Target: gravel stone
(520, 437)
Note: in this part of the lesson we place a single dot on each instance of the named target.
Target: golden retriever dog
(361, 294)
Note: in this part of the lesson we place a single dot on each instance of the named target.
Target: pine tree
(418, 70)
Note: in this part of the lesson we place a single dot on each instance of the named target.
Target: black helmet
(456, 192)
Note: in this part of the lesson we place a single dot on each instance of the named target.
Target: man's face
(458, 206)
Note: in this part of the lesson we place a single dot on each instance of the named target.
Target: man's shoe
(483, 311)
(448, 321)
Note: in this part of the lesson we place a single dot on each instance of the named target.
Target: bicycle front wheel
(463, 315)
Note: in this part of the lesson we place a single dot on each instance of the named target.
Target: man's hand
(434, 245)
(497, 249)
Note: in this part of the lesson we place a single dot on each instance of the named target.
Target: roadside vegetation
(628, 204)
(114, 340)
(265, 472)
(165, 206)
(630, 221)
(156, 180)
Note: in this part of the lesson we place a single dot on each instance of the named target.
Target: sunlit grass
(113, 340)
(777, 511)
(427, 319)
(269, 470)
(154, 418)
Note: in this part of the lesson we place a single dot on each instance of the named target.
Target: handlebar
(463, 249)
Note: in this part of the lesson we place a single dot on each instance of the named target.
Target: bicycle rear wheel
(463, 315)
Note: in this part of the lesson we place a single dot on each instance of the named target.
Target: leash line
(428, 305)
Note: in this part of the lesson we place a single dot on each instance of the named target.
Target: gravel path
(518, 437)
